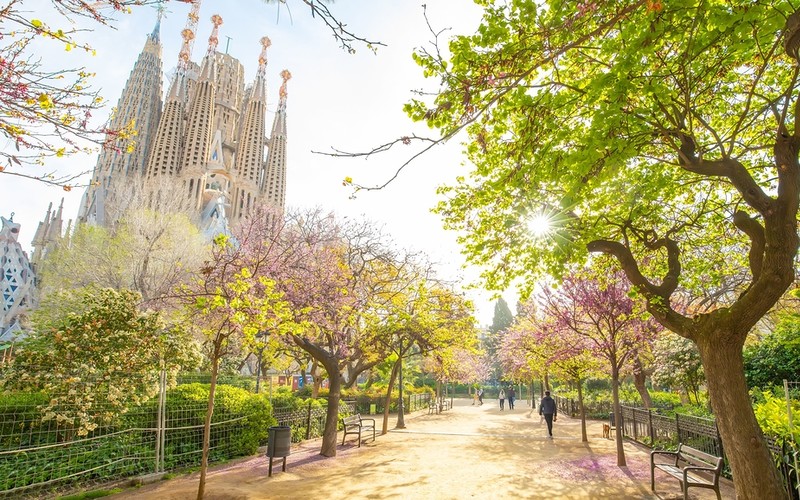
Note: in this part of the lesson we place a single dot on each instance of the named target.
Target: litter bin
(279, 444)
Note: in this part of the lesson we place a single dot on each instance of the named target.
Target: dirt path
(467, 452)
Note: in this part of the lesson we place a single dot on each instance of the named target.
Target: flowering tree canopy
(597, 308)
(103, 344)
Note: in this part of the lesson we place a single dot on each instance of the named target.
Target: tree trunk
(639, 380)
(388, 403)
(201, 488)
(584, 437)
(754, 474)
(617, 416)
(316, 377)
(329, 435)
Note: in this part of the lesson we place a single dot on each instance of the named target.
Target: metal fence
(654, 430)
(411, 402)
(44, 450)
(308, 422)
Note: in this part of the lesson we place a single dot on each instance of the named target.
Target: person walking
(549, 410)
(511, 395)
(502, 396)
(480, 396)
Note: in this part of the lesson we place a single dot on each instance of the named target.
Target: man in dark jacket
(548, 409)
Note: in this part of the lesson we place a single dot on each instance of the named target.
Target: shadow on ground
(467, 452)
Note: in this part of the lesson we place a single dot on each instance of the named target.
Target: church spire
(251, 144)
(167, 151)
(156, 33)
(139, 108)
(199, 124)
(274, 182)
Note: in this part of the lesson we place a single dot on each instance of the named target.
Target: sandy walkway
(467, 452)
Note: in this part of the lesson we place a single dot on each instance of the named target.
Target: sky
(350, 102)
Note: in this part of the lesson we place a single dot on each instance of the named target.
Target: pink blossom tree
(329, 270)
(595, 306)
(535, 345)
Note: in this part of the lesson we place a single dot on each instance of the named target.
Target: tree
(457, 364)
(230, 302)
(665, 134)
(677, 364)
(103, 345)
(501, 320)
(503, 317)
(47, 111)
(328, 270)
(147, 251)
(341, 33)
(565, 353)
(426, 319)
(596, 313)
(520, 355)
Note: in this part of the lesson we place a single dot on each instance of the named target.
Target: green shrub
(250, 416)
(283, 397)
(665, 400)
(21, 420)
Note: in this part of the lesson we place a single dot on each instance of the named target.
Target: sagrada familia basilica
(203, 149)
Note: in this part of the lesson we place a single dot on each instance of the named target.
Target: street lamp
(401, 423)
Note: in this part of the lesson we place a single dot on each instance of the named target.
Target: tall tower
(16, 280)
(273, 187)
(252, 141)
(164, 163)
(200, 126)
(123, 163)
(207, 154)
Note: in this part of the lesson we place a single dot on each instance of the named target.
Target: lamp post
(401, 423)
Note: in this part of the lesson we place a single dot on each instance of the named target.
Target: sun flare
(539, 225)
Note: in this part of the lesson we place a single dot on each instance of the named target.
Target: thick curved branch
(752, 228)
(669, 282)
(658, 297)
(729, 168)
(626, 260)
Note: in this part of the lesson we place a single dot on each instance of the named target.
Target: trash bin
(279, 444)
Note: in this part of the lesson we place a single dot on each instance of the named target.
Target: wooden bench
(698, 469)
(355, 424)
(438, 405)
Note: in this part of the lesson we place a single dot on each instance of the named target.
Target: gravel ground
(467, 452)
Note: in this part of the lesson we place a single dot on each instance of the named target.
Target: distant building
(204, 150)
(16, 282)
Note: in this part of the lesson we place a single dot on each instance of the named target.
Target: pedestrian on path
(480, 396)
(502, 397)
(512, 396)
(549, 410)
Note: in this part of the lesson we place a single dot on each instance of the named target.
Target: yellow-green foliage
(773, 415)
